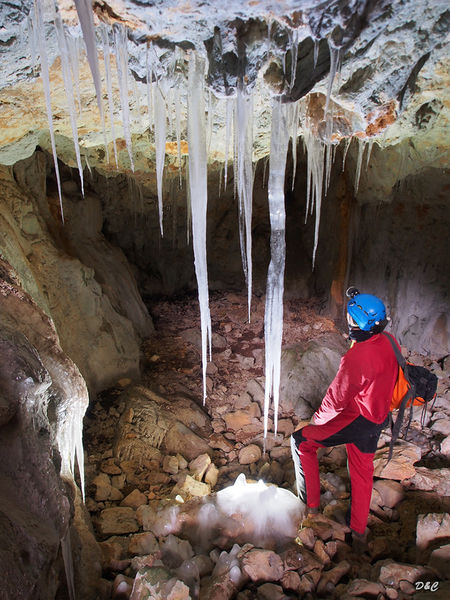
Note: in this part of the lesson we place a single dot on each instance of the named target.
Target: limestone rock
(390, 492)
(170, 464)
(117, 520)
(431, 479)
(211, 475)
(440, 559)
(364, 588)
(249, 454)
(394, 574)
(199, 465)
(134, 499)
(445, 447)
(401, 464)
(149, 425)
(431, 528)
(188, 486)
(262, 565)
(103, 487)
(237, 419)
(270, 591)
(306, 372)
(143, 543)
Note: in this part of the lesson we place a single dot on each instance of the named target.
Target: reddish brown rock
(262, 565)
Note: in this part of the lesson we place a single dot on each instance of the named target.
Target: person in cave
(353, 412)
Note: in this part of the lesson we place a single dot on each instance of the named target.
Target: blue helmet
(367, 311)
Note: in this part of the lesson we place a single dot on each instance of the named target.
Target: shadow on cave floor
(172, 369)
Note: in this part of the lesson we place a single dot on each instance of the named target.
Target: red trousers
(360, 437)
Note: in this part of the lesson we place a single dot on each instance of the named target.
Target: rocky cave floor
(146, 503)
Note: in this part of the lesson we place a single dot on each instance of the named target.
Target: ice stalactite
(199, 195)
(121, 51)
(160, 121)
(273, 320)
(369, 151)
(108, 77)
(361, 147)
(86, 18)
(178, 132)
(294, 135)
(244, 174)
(39, 31)
(67, 78)
(334, 65)
(229, 105)
(149, 75)
(315, 178)
(346, 147)
(66, 549)
(294, 56)
(316, 52)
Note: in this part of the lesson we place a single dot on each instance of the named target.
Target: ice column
(244, 132)
(40, 32)
(198, 195)
(273, 321)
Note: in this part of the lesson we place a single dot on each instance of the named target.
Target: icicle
(188, 205)
(107, 61)
(294, 56)
(137, 109)
(88, 165)
(346, 147)
(316, 52)
(66, 549)
(40, 32)
(149, 87)
(229, 104)
(316, 151)
(220, 181)
(210, 119)
(273, 320)
(294, 135)
(334, 61)
(361, 147)
(244, 175)
(178, 132)
(65, 66)
(369, 151)
(328, 164)
(84, 10)
(198, 195)
(160, 148)
(121, 51)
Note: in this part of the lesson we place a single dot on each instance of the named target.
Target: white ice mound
(265, 512)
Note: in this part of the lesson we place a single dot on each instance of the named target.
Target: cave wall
(388, 238)
(72, 273)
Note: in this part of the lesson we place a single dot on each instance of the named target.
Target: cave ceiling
(390, 58)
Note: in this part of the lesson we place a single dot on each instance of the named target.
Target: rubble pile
(160, 466)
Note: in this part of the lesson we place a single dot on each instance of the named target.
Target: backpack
(415, 386)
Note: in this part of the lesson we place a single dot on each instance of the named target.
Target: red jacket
(363, 384)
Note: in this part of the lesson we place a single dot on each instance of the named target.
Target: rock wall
(77, 278)
(42, 403)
